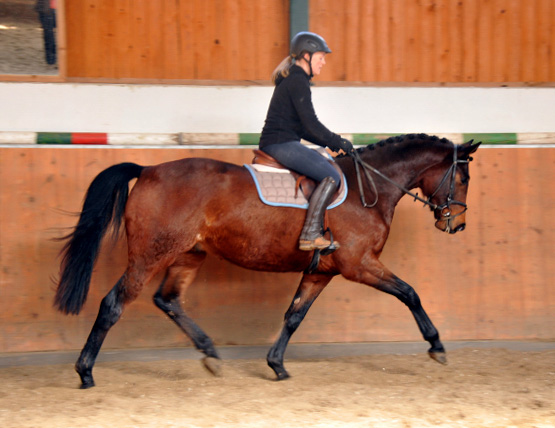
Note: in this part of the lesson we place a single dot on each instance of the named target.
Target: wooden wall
(401, 41)
(192, 39)
(438, 40)
(492, 281)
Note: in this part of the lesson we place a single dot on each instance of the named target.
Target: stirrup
(334, 245)
(319, 243)
(325, 252)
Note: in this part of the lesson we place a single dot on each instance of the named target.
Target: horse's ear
(466, 149)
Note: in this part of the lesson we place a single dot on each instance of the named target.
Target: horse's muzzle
(451, 221)
(459, 228)
(446, 226)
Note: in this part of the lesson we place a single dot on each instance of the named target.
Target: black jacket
(291, 115)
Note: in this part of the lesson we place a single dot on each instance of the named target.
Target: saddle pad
(276, 187)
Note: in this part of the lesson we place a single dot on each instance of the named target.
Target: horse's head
(446, 186)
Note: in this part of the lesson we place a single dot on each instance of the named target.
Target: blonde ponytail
(282, 69)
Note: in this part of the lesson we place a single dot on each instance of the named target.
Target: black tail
(104, 204)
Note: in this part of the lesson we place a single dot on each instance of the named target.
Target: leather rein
(450, 173)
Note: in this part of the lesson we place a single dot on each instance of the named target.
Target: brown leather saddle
(302, 182)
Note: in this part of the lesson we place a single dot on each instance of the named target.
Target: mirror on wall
(28, 43)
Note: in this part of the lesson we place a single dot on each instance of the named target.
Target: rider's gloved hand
(346, 146)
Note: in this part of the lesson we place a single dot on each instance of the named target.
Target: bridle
(444, 210)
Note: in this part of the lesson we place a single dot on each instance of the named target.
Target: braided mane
(410, 138)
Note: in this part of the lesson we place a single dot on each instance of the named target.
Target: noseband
(444, 209)
(451, 172)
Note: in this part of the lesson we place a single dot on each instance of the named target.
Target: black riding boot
(312, 235)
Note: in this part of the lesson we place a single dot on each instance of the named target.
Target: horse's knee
(405, 293)
(160, 302)
(170, 306)
(412, 299)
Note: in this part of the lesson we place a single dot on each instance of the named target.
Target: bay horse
(177, 212)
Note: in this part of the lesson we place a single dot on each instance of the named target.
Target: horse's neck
(405, 171)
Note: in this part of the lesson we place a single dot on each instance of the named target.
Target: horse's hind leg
(178, 277)
(309, 289)
(110, 312)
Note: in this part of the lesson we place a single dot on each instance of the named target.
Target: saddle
(302, 183)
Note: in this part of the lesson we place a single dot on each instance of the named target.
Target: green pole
(298, 16)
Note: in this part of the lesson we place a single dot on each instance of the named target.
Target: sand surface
(479, 388)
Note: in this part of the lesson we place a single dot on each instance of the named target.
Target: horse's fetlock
(437, 346)
(206, 345)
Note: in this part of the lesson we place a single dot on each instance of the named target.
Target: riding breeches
(303, 160)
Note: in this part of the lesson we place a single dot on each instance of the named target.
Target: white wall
(65, 107)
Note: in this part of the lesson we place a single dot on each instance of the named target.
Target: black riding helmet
(306, 41)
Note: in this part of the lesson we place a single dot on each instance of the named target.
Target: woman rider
(291, 117)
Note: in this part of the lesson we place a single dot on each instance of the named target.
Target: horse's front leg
(309, 289)
(379, 277)
(178, 278)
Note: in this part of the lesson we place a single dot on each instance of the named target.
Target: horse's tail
(104, 205)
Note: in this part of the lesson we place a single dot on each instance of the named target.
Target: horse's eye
(465, 180)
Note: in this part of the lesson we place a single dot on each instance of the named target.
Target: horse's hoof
(440, 357)
(87, 380)
(87, 384)
(282, 375)
(213, 365)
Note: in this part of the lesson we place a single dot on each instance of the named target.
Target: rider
(291, 117)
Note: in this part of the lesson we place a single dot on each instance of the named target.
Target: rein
(450, 173)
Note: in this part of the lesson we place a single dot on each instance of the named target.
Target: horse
(178, 212)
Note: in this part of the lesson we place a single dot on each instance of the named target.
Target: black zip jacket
(291, 114)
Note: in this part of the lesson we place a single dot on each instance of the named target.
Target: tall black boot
(312, 235)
